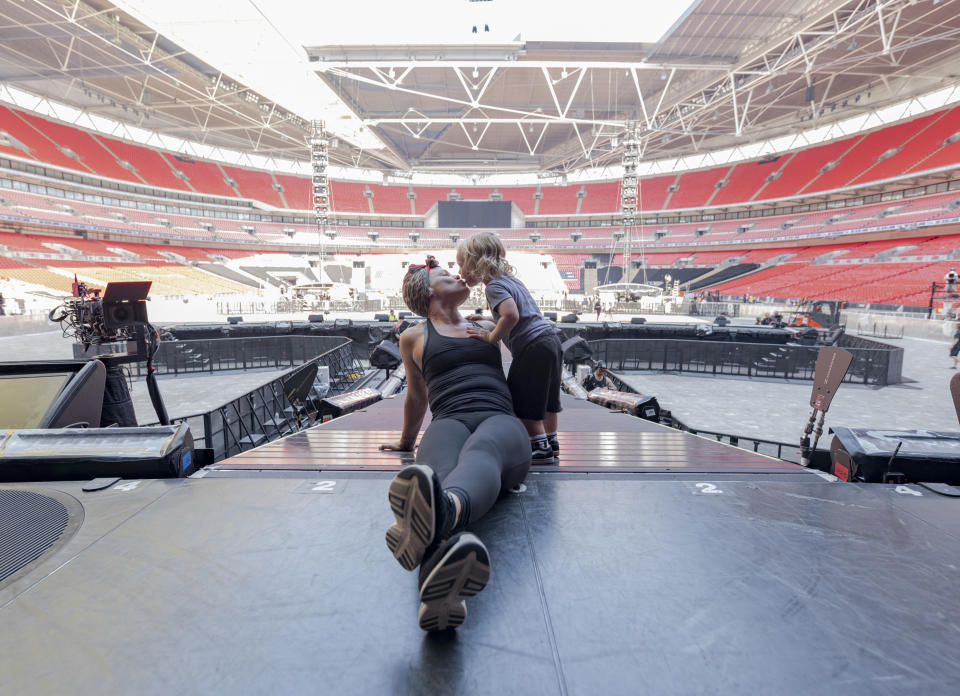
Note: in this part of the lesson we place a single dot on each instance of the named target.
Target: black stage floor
(680, 580)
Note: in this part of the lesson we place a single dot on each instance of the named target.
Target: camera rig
(113, 328)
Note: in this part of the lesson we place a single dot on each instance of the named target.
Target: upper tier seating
(255, 184)
(914, 146)
(203, 177)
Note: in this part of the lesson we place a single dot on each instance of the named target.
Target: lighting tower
(321, 186)
(629, 188)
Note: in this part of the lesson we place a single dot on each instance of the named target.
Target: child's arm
(509, 316)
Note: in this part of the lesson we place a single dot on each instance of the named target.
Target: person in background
(534, 377)
(955, 348)
(722, 320)
(597, 379)
(597, 307)
(392, 316)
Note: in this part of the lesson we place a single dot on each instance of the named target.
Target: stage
(647, 561)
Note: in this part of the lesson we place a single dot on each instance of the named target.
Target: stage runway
(715, 576)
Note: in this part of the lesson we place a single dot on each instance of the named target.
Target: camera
(114, 324)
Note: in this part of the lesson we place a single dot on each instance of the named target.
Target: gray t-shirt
(531, 324)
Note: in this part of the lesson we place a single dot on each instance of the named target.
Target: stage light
(476, 73)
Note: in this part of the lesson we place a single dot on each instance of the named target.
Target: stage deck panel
(600, 585)
(591, 438)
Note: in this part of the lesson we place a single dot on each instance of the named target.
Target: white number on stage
(903, 490)
(324, 486)
(708, 488)
(128, 486)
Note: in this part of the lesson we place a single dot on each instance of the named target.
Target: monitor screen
(25, 399)
(461, 214)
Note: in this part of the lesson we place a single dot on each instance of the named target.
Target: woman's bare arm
(415, 403)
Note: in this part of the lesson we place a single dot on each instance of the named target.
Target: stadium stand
(203, 177)
(600, 197)
(390, 200)
(802, 167)
(149, 165)
(348, 197)
(654, 191)
(254, 184)
(559, 200)
(744, 180)
(695, 189)
(297, 191)
(39, 146)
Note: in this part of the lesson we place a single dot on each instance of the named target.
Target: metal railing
(248, 353)
(871, 365)
(267, 413)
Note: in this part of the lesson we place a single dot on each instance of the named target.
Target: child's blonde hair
(484, 256)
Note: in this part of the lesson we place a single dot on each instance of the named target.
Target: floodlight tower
(319, 144)
(629, 187)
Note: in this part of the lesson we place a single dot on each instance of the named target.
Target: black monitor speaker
(552, 316)
(638, 320)
(234, 320)
(404, 315)
(576, 350)
(315, 318)
(342, 323)
(386, 356)
(569, 319)
(381, 317)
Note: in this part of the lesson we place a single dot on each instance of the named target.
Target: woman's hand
(475, 317)
(398, 446)
(479, 333)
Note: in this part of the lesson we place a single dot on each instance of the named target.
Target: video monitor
(26, 399)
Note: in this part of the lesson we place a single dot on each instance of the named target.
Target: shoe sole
(411, 500)
(543, 460)
(462, 573)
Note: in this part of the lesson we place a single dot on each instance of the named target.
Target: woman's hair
(416, 286)
(484, 256)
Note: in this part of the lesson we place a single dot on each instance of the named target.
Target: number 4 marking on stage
(706, 488)
(128, 486)
(903, 490)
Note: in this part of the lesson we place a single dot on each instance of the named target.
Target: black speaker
(406, 324)
(639, 405)
(315, 318)
(381, 317)
(569, 319)
(638, 320)
(576, 350)
(386, 356)
(552, 316)
(342, 323)
(404, 315)
(872, 456)
(234, 320)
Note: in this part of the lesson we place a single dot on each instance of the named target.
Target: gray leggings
(481, 454)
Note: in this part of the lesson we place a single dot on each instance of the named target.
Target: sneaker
(542, 453)
(423, 513)
(554, 445)
(457, 570)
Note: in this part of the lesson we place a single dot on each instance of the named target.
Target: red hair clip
(431, 262)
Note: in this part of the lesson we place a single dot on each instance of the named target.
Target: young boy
(534, 377)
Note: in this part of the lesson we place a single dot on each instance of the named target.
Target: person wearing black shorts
(955, 348)
(535, 372)
(473, 451)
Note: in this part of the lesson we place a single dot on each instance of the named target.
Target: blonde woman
(534, 377)
(473, 451)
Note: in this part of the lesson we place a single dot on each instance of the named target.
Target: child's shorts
(534, 378)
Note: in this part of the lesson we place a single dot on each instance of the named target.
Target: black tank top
(463, 375)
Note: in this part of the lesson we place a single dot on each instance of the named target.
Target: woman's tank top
(463, 375)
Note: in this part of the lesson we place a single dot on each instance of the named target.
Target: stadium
(209, 214)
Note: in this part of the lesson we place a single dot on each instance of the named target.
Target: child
(534, 377)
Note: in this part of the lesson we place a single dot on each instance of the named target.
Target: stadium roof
(552, 97)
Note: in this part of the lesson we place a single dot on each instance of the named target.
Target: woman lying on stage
(474, 449)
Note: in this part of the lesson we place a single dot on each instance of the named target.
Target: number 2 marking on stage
(128, 486)
(706, 488)
(903, 490)
(324, 487)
